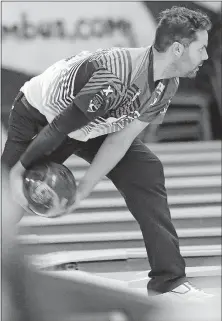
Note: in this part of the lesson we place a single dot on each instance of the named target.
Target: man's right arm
(51, 136)
(46, 141)
(74, 117)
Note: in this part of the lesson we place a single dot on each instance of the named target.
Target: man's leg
(21, 129)
(140, 179)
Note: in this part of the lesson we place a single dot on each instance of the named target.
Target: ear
(177, 49)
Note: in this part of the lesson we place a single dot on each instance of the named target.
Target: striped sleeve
(102, 92)
(118, 61)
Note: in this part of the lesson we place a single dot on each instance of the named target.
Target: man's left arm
(110, 153)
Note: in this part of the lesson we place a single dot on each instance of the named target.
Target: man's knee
(156, 166)
(147, 166)
(150, 173)
(144, 170)
(12, 153)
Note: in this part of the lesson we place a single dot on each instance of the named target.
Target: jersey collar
(150, 71)
(151, 82)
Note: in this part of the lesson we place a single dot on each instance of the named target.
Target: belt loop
(18, 97)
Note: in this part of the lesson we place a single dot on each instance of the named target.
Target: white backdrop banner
(36, 34)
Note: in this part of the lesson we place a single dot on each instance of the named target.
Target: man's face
(193, 56)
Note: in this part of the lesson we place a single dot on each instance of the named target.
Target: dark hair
(179, 24)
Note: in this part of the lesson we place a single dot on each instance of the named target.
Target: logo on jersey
(108, 91)
(100, 99)
(157, 94)
(164, 110)
(96, 103)
(136, 94)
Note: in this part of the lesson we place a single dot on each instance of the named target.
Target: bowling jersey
(110, 87)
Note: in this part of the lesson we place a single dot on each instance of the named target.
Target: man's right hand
(16, 185)
(78, 198)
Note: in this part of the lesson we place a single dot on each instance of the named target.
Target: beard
(191, 74)
(182, 69)
(186, 67)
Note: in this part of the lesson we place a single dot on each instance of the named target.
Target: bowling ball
(49, 188)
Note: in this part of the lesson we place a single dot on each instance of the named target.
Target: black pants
(138, 176)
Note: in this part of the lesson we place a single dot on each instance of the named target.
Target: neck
(161, 66)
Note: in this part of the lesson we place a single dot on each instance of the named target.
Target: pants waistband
(32, 110)
(21, 97)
